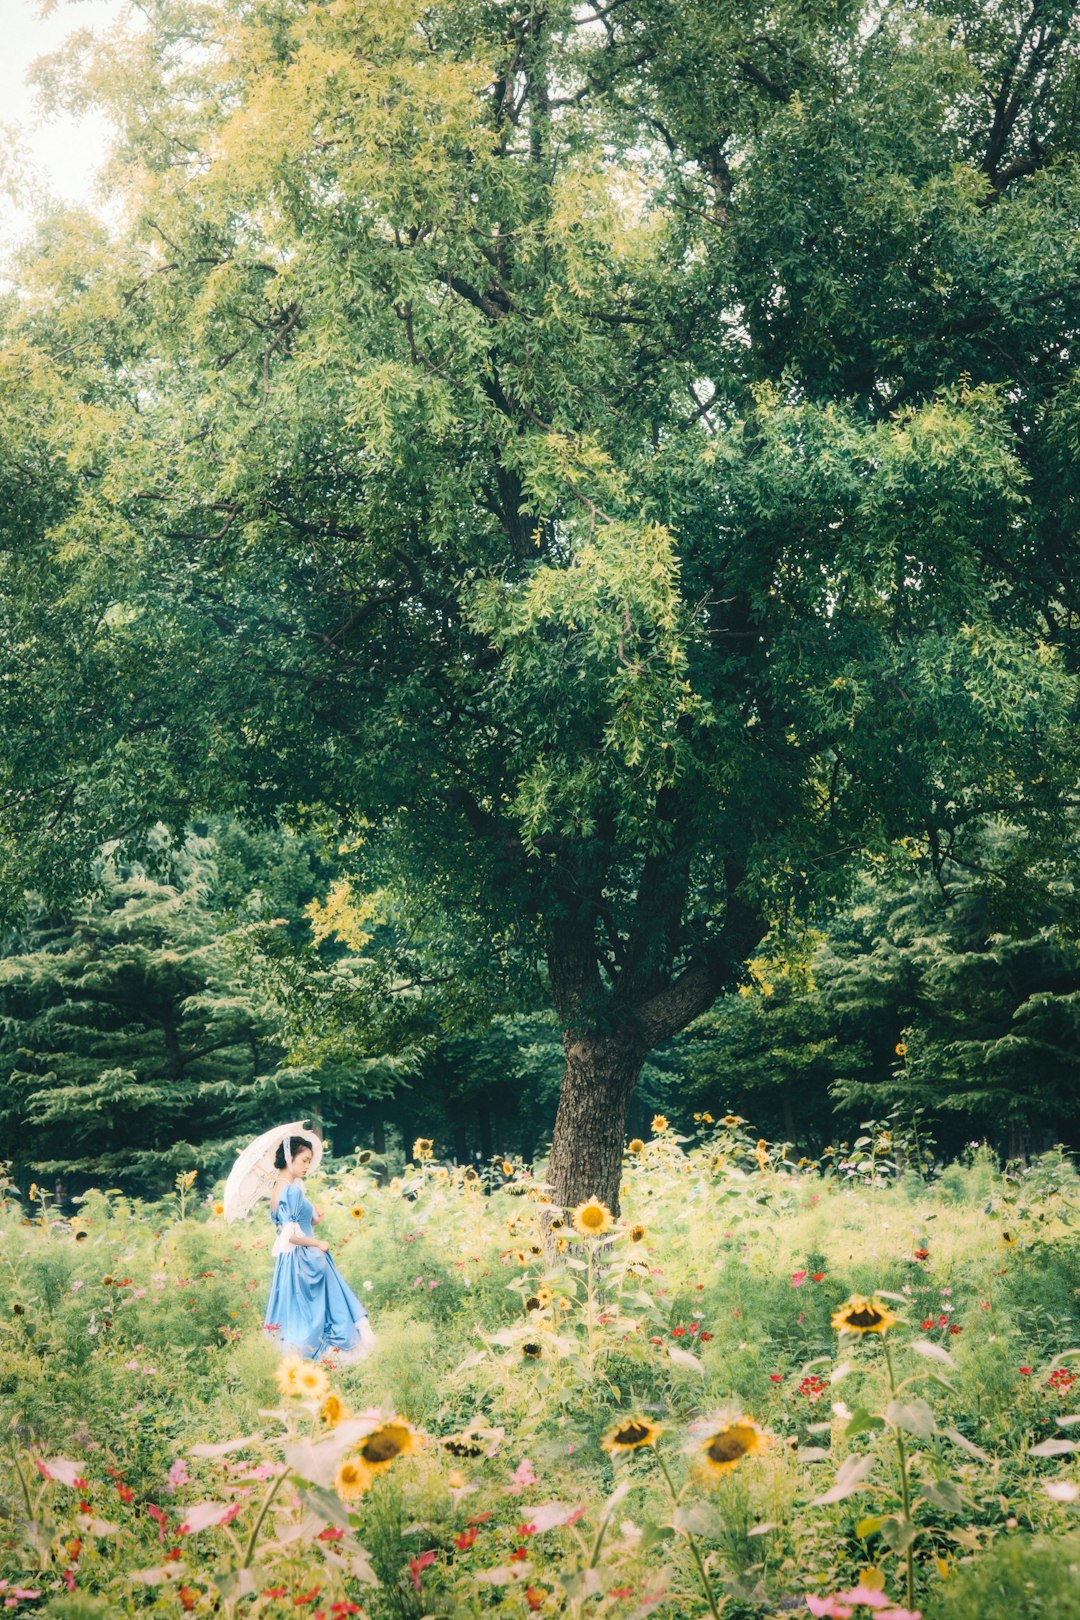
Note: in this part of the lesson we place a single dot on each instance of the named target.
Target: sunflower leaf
(683, 1358)
(913, 1416)
(851, 1476)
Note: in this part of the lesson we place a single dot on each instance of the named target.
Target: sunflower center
(632, 1434)
(729, 1445)
(866, 1317)
(383, 1446)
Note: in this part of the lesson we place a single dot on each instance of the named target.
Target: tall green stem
(905, 1486)
(267, 1499)
(703, 1574)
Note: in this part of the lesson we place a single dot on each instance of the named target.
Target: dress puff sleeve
(284, 1218)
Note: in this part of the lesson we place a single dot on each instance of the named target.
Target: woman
(312, 1310)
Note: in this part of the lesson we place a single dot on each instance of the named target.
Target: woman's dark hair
(299, 1142)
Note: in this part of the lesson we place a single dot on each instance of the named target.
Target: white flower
(369, 1285)
(1061, 1490)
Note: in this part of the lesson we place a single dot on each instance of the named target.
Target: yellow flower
(703, 1119)
(630, 1434)
(659, 1124)
(544, 1296)
(311, 1381)
(387, 1443)
(288, 1368)
(470, 1176)
(422, 1149)
(351, 1480)
(1009, 1239)
(357, 1212)
(636, 1233)
(725, 1442)
(365, 1157)
(862, 1315)
(32, 1194)
(901, 1049)
(556, 1223)
(219, 1208)
(333, 1409)
(531, 1350)
(506, 1167)
(636, 1145)
(592, 1218)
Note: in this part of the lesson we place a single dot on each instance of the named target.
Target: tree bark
(587, 1145)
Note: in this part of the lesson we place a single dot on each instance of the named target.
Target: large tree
(615, 462)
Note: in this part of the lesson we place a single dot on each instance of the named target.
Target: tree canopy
(612, 465)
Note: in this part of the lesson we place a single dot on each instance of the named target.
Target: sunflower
(592, 1218)
(288, 1368)
(725, 1442)
(422, 1149)
(387, 1443)
(703, 1118)
(506, 1167)
(357, 1212)
(544, 1296)
(351, 1480)
(556, 1223)
(630, 1434)
(636, 1233)
(365, 1157)
(310, 1381)
(531, 1350)
(1009, 1239)
(901, 1049)
(332, 1410)
(635, 1145)
(659, 1124)
(862, 1315)
(218, 1208)
(462, 1445)
(470, 1177)
(81, 1236)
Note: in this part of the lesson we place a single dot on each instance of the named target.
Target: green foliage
(611, 472)
(1028, 1576)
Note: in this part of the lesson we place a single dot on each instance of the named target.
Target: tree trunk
(587, 1145)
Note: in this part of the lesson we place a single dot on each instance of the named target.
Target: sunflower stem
(267, 1499)
(695, 1550)
(905, 1484)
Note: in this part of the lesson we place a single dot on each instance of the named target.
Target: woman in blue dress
(311, 1311)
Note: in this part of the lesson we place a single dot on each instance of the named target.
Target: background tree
(614, 464)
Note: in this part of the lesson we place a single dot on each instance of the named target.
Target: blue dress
(311, 1309)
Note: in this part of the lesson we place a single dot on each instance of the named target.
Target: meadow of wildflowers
(765, 1389)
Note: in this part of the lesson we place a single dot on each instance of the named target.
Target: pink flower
(177, 1475)
(828, 1607)
(798, 1278)
(523, 1475)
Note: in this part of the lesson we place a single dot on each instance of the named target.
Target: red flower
(345, 1606)
(1025, 1371)
(534, 1598)
(173, 1554)
(518, 1554)
(188, 1598)
(275, 1591)
(621, 1591)
(465, 1540)
(677, 1332)
(705, 1337)
(922, 1254)
(526, 1530)
(776, 1378)
(927, 1325)
(416, 1567)
(125, 1493)
(330, 1533)
(943, 1321)
(817, 1276)
(306, 1597)
(955, 1328)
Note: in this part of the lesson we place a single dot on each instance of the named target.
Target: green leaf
(912, 1415)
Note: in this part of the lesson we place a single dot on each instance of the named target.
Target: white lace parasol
(252, 1176)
